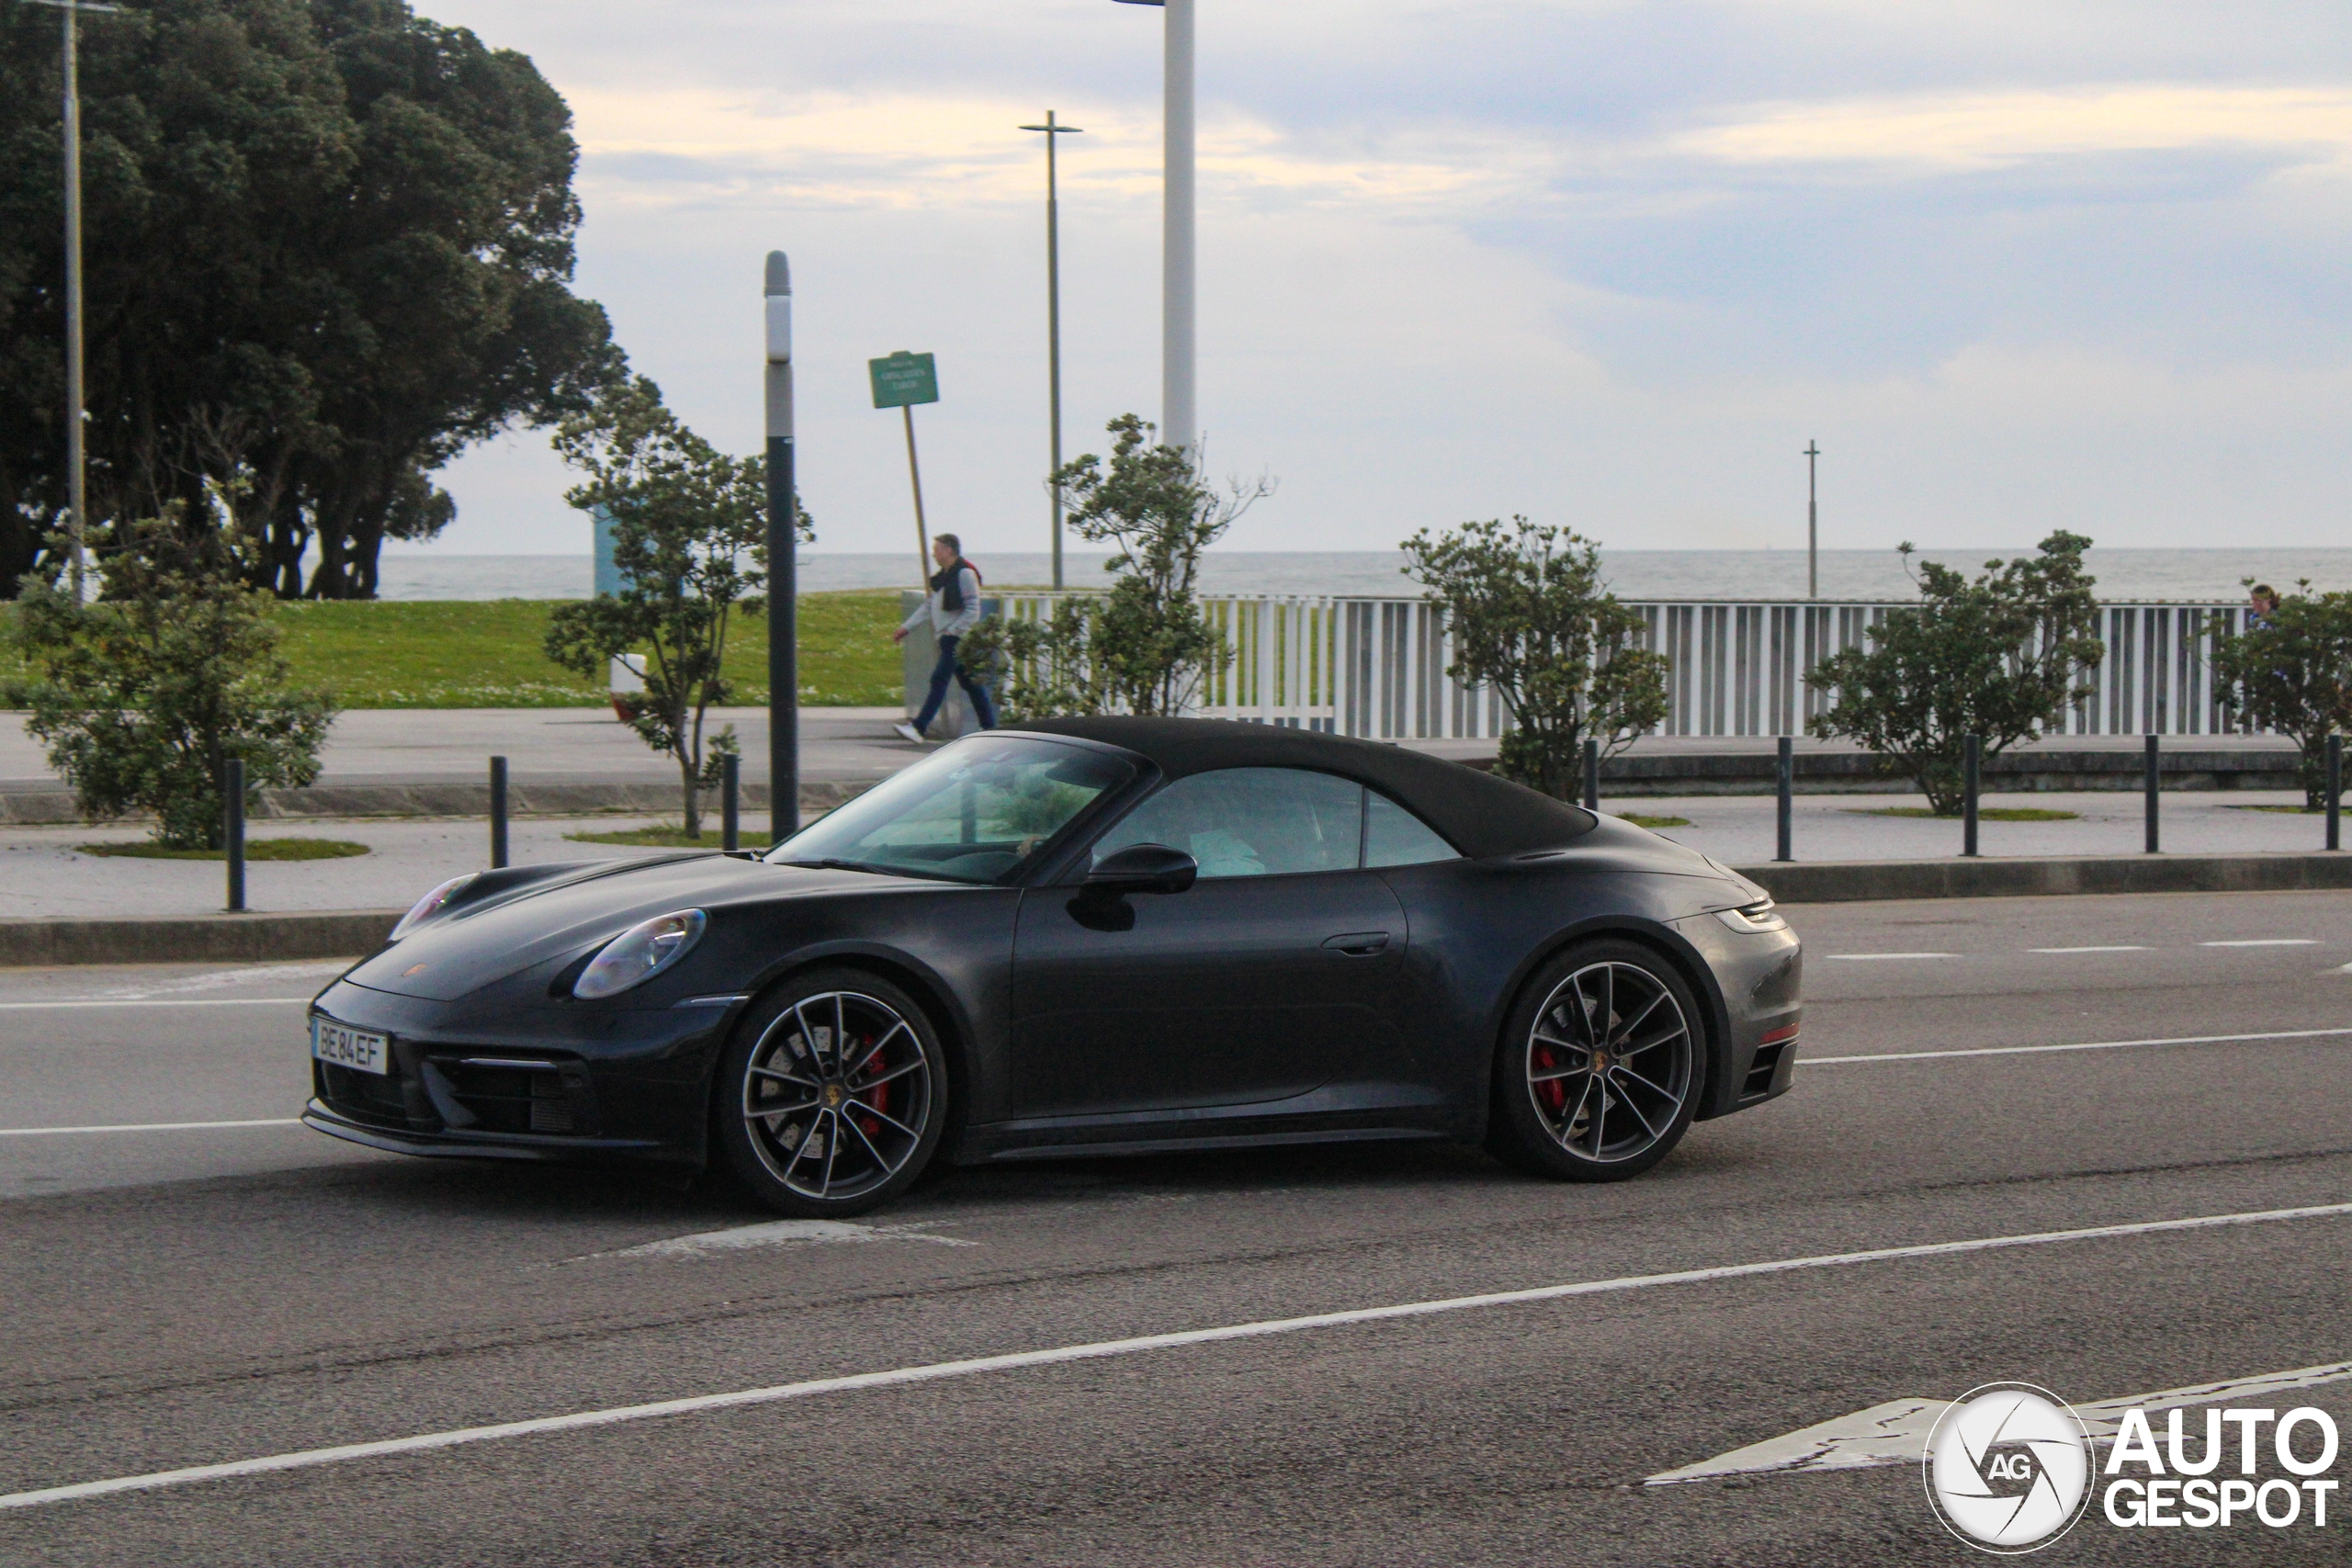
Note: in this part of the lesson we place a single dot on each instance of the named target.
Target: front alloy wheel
(1598, 1079)
(832, 1097)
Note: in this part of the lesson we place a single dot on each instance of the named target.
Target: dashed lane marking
(176, 1002)
(147, 1127)
(2086, 950)
(1875, 957)
(2084, 1045)
(305, 1459)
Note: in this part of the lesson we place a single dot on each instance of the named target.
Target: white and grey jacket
(943, 621)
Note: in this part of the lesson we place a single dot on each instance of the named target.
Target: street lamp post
(783, 540)
(1811, 519)
(1177, 424)
(1054, 323)
(77, 499)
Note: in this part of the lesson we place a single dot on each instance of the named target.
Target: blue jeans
(944, 670)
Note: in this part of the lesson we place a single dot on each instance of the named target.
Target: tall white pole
(1178, 422)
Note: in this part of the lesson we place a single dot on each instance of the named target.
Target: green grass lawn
(255, 849)
(477, 654)
(1639, 820)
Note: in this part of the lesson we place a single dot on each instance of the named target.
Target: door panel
(1233, 993)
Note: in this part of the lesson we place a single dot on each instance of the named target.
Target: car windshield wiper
(869, 867)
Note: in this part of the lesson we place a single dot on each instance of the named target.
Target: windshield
(970, 812)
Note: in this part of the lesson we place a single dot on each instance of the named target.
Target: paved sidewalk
(41, 874)
(408, 745)
(1740, 830)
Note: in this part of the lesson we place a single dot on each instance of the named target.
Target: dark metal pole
(1592, 776)
(784, 531)
(1968, 801)
(730, 802)
(2156, 784)
(2334, 791)
(497, 812)
(232, 828)
(1786, 775)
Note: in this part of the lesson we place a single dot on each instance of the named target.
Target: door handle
(1358, 944)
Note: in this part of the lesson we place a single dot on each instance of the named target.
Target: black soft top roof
(1478, 812)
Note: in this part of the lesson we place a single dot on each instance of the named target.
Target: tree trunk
(690, 802)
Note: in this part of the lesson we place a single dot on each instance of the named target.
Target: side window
(1394, 836)
(1250, 822)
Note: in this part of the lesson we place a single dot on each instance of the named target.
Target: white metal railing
(1376, 667)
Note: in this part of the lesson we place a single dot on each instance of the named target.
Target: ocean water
(1741, 575)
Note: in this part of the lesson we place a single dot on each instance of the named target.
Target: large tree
(327, 245)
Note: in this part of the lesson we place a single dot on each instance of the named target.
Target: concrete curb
(194, 938)
(236, 939)
(55, 808)
(1839, 882)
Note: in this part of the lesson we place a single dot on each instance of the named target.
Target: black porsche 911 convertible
(1086, 936)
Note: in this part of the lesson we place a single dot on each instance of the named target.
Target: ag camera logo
(2008, 1468)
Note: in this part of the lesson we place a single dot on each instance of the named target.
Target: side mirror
(1143, 868)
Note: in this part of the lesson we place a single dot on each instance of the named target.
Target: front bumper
(323, 1117)
(539, 1081)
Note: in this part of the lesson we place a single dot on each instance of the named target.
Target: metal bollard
(2334, 791)
(497, 812)
(1592, 776)
(232, 828)
(2155, 784)
(1787, 777)
(730, 802)
(1972, 769)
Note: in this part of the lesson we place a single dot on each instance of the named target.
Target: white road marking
(2266, 942)
(214, 979)
(2086, 1045)
(1874, 957)
(147, 1127)
(304, 1459)
(779, 1233)
(2086, 950)
(1896, 1432)
(176, 1002)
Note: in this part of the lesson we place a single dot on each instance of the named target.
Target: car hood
(545, 912)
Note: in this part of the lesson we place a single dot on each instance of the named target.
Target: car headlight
(432, 904)
(1759, 915)
(639, 952)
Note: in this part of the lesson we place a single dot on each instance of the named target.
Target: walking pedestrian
(950, 608)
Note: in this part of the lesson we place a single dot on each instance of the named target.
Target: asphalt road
(212, 1294)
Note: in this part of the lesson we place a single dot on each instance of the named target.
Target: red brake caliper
(1553, 1092)
(877, 1097)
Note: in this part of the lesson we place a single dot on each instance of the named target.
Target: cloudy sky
(1612, 264)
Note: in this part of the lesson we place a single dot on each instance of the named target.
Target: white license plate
(347, 1047)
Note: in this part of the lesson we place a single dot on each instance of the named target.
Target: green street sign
(904, 378)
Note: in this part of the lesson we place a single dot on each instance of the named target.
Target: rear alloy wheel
(832, 1097)
(1598, 1075)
